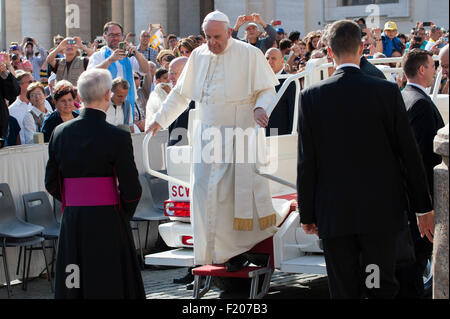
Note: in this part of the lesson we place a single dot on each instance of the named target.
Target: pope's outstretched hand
(261, 117)
(153, 128)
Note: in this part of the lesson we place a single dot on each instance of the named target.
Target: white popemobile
(293, 250)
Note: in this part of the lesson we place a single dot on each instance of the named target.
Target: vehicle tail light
(187, 240)
(177, 209)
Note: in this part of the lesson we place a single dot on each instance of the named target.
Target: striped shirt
(149, 53)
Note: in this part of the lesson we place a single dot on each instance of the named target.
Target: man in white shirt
(117, 61)
(119, 112)
(21, 106)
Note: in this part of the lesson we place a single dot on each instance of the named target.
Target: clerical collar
(95, 108)
(419, 87)
(280, 72)
(348, 65)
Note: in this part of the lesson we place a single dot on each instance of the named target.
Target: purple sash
(91, 191)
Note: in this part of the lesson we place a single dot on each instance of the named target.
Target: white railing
(314, 71)
(155, 173)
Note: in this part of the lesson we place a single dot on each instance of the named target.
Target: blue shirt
(12, 132)
(424, 45)
(390, 46)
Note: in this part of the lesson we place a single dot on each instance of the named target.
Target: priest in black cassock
(91, 170)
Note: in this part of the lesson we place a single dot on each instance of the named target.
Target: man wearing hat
(435, 36)
(280, 34)
(252, 32)
(390, 40)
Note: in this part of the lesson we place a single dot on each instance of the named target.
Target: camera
(123, 46)
(427, 24)
(366, 51)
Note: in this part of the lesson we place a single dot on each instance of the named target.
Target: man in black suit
(282, 117)
(370, 69)
(9, 89)
(356, 153)
(425, 121)
(180, 125)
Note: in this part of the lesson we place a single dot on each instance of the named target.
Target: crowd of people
(142, 88)
(145, 75)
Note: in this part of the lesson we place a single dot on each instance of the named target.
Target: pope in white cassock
(232, 84)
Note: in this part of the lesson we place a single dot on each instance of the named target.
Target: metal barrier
(313, 73)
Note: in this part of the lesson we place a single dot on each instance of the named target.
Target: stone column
(13, 14)
(189, 17)
(146, 12)
(117, 11)
(128, 16)
(36, 22)
(441, 190)
(233, 9)
(173, 17)
(58, 25)
(292, 15)
(78, 18)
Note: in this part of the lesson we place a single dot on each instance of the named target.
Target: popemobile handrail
(288, 80)
(171, 179)
(296, 78)
(155, 173)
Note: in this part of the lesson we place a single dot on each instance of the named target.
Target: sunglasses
(168, 58)
(14, 48)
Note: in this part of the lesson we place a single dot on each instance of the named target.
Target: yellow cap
(390, 26)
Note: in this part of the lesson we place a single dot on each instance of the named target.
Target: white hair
(226, 25)
(94, 84)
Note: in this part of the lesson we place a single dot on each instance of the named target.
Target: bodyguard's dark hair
(285, 44)
(413, 60)
(344, 37)
(294, 36)
(160, 72)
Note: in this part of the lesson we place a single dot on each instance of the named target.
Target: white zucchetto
(217, 16)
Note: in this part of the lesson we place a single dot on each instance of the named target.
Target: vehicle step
(182, 257)
(305, 265)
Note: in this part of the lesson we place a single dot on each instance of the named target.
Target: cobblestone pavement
(159, 285)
